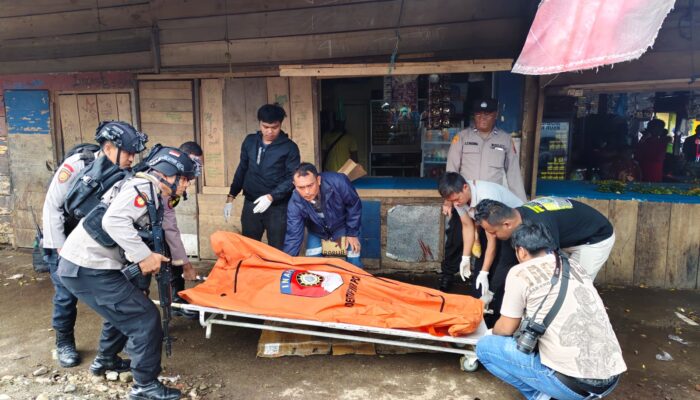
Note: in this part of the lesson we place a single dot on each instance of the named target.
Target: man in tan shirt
(482, 152)
(577, 355)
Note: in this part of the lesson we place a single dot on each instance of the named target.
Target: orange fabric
(255, 278)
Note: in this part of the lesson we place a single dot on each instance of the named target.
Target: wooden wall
(656, 244)
(229, 113)
(167, 116)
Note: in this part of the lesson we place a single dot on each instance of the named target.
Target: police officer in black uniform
(119, 142)
(92, 271)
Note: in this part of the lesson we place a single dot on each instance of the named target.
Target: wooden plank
(70, 121)
(166, 105)
(652, 244)
(79, 21)
(168, 117)
(183, 94)
(104, 62)
(278, 92)
(255, 96)
(303, 21)
(87, 113)
(529, 126)
(173, 9)
(602, 206)
(213, 131)
(107, 108)
(501, 33)
(304, 117)
(168, 129)
(124, 107)
(76, 45)
(683, 258)
(381, 69)
(238, 72)
(215, 189)
(620, 266)
(15, 8)
(180, 84)
(235, 129)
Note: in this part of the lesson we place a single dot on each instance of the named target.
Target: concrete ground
(226, 366)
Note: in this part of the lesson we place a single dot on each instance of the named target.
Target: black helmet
(171, 162)
(123, 135)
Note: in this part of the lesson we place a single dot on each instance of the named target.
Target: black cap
(485, 105)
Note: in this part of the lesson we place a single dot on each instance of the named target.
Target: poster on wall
(27, 112)
(554, 149)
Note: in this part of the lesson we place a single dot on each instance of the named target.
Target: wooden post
(536, 142)
(213, 131)
(304, 104)
(530, 114)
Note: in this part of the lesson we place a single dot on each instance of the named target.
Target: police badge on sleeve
(309, 283)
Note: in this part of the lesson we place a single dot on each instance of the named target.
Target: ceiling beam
(400, 68)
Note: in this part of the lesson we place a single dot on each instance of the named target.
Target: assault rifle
(164, 276)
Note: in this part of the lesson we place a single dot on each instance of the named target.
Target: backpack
(92, 182)
(87, 152)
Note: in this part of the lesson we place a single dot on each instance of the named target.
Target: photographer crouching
(554, 338)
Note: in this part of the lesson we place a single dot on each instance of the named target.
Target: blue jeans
(524, 371)
(64, 302)
(313, 249)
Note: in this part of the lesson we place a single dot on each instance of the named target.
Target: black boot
(153, 390)
(65, 350)
(179, 312)
(103, 363)
(446, 281)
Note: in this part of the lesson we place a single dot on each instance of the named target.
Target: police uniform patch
(65, 173)
(455, 139)
(140, 200)
(173, 202)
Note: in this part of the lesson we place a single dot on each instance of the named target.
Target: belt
(582, 388)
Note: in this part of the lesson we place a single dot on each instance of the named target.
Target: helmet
(123, 135)
(171, 161)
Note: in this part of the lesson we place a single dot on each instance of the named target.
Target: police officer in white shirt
(92, 271)
(119, 141)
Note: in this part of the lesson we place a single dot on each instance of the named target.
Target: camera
(528, 335)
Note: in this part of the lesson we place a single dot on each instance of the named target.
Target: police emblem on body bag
(335, 248)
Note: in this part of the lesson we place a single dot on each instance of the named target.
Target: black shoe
(180, 312)
(102, 364)
(153, 391)
(445, 282)
(65, 350)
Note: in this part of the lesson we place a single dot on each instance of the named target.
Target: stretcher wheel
(468, 363)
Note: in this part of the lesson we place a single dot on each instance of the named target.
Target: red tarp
(570, 35)
(252, 277)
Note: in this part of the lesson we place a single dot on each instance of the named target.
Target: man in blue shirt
(329, 207)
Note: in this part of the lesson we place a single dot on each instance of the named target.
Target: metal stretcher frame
(468, 361)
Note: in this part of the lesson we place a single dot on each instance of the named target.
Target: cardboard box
(279, 344)
(352, 169)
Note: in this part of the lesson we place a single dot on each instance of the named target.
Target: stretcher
(461, 345)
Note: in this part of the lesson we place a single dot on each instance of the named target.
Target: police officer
(119, 142)
(482, 152)
(91, 271)
(181, 267)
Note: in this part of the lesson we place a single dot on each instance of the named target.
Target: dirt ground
(226, 366)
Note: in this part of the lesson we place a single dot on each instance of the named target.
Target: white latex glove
(465, 268)
(487, 298)
(482, 281)
(228, 209)
(262, 204)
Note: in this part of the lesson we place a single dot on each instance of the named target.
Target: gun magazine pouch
(93, 226)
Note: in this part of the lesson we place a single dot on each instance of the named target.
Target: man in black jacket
(267, 164)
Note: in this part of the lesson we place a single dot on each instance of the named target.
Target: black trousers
(130, 317)
(273, 221)
(504, 260)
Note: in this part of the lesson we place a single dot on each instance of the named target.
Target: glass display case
(435, 145)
